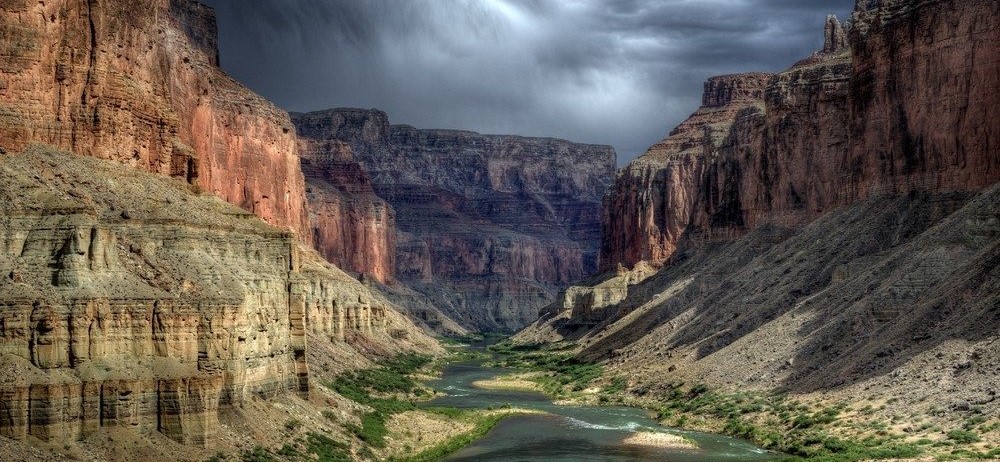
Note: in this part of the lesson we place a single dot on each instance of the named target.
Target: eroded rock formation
(491, 227)
(127, 300)
(139, 82)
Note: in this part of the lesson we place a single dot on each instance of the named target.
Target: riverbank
(802, 427)
(426, 439)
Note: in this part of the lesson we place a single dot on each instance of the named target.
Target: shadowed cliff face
(352, 227)
(835, 231)
(490, 227)
(138, 82)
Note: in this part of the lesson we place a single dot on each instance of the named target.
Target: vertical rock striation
(491, 227)
(654, 197)
(923, 96)
(138, 82)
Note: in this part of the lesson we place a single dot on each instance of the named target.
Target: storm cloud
(619, 72)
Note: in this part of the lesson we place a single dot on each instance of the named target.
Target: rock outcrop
(352, 227)
(127, 300)
(139, 82)
(490, 227)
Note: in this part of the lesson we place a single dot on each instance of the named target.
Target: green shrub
(293, 424)
(616, 385)
(258, 454)
(327, 449)
(963, 436)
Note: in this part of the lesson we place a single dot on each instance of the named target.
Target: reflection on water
(570, 433)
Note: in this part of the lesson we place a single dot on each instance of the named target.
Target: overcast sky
(619, 72)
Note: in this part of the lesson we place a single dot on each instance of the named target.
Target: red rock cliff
(898, 114)
(490, 227)
(352, 227)
(138, 82)
(653, 198)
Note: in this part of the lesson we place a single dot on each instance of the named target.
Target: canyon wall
(831, 230)
(138, 82)
(129, 301)
(908, 110)
(490, 226)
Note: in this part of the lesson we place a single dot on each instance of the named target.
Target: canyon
(185, 267)
(490, 227)
(830, 231)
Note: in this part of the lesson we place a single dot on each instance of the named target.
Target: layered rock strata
(490, 227)
(911, 108)
(138, 82)
(128, 301)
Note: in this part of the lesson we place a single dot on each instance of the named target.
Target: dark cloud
(620, 72)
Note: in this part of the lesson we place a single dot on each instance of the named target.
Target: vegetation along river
(570, 432)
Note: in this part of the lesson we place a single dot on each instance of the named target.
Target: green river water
(570, 433)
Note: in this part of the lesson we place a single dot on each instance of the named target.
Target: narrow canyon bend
(189, 272)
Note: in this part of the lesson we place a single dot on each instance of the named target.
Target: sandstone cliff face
(490, 227)
(352, 227)
(138, 82)
(912, 108)
(128, 301)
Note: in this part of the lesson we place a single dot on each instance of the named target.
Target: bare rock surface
(909, 105)
(352, 227)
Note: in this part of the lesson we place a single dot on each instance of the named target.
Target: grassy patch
(326, 449)
(386, 390)
(484, 423)
(566, 374)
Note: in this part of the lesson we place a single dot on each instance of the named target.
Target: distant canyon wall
(352, 227)
(490, 226)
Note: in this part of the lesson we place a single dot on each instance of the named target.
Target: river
(570, 433)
